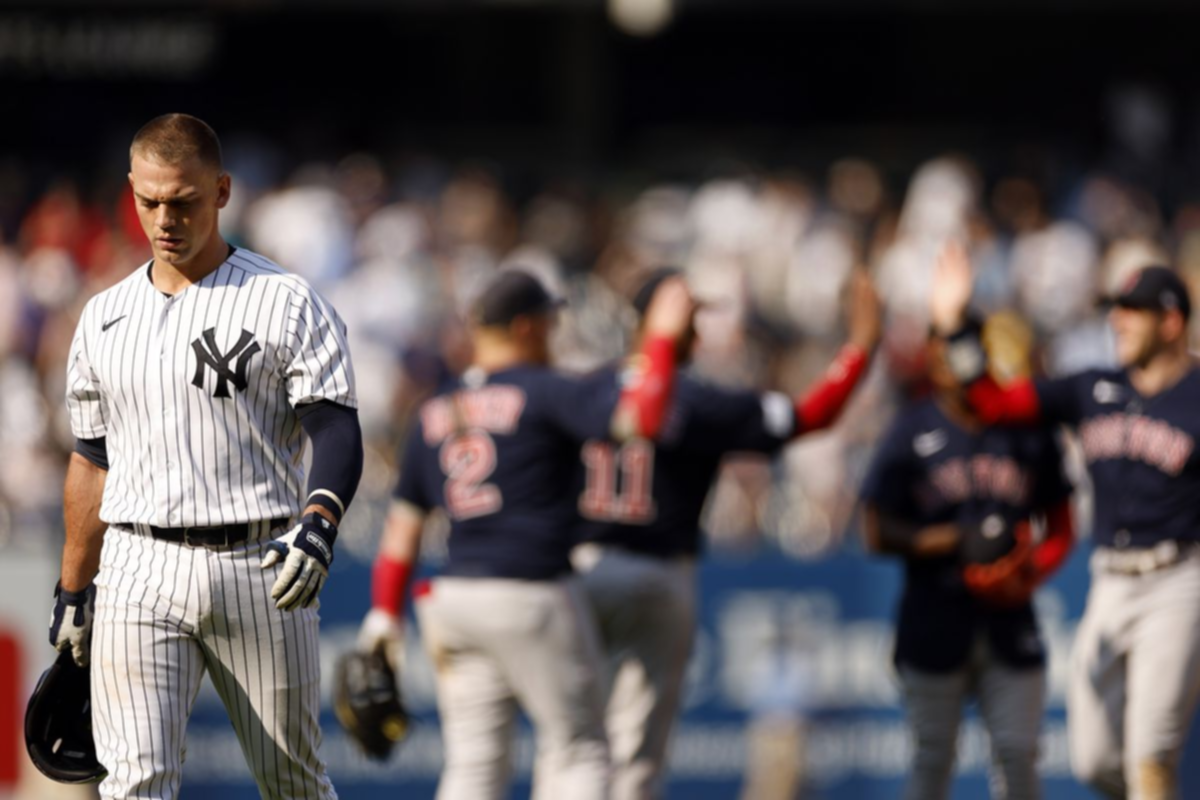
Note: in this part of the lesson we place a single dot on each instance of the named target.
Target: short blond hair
(176, 138)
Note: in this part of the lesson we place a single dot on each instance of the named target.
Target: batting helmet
(367, 702)
(58, 724)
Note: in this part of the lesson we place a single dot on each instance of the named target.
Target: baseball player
(640, 505)
(942, 486)
(506, 623)
(192, 387)
(1135, 668)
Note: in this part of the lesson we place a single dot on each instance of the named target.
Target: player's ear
(520, 327)
(224, 187)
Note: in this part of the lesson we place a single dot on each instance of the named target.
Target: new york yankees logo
(208, 353)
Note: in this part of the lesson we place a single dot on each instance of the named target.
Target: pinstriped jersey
(196, 393)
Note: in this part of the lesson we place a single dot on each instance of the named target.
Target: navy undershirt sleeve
(94, 450)
(337, 460)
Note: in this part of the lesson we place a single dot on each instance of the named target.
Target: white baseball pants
(166, 614)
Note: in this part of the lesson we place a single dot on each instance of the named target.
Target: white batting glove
(383, 631)
(306, 552)
(71, 622)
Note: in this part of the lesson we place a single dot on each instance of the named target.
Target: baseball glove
(998, 565)
(367, 702)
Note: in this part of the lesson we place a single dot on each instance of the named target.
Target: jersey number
(467, 461)
(633, 466)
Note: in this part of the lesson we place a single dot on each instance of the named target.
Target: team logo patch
(210, 355)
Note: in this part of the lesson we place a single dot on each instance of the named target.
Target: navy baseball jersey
(929, 470)
(648, 497)
(1141, 453)
(498, 454)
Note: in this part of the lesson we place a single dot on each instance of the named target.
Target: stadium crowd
(399, 248)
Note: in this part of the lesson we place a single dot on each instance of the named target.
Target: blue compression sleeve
(337, 459)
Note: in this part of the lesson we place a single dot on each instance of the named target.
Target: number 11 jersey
(499, 452)
(648, 497)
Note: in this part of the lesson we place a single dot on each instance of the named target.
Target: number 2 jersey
(499, 454)
(647, 497)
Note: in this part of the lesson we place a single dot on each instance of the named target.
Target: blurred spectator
(401, 245)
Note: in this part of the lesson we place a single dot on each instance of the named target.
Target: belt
(1143, 560)
(205, 536)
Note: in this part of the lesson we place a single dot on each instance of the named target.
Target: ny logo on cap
(208, 353)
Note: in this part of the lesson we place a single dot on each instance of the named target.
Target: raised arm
(821, 405)
(1014, 404)
(642, 408)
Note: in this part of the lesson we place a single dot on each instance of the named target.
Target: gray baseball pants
(496, 643)
(1134, 680)
(1011, 703)
(646, 610)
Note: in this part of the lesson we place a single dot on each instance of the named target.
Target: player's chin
(1129, 352)
(172, 255)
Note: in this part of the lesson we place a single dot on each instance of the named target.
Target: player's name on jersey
(1137, 438)
(495, 409)
(982, 477)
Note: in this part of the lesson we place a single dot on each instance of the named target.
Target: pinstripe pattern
(180, 454)
(166, 615)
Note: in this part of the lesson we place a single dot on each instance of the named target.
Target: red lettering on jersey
(1175, 455)
(951, 480)
(495, 409)
(468, 461)
(596, 502)
(1137, 438)
(985, 477)
(633, 466)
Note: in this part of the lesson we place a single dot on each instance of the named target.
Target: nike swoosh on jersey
(105, 326)
(926, 444)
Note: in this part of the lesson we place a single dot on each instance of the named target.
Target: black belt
(206, 536)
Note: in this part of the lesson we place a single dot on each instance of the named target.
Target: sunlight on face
(1137, 334)
(178, 205)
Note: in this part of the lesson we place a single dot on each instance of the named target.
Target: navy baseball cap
(513, 294)
(1154, 289)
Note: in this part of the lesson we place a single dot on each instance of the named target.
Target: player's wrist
(326, 503)
(321, 511)
(389, 584)
(73, 597)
